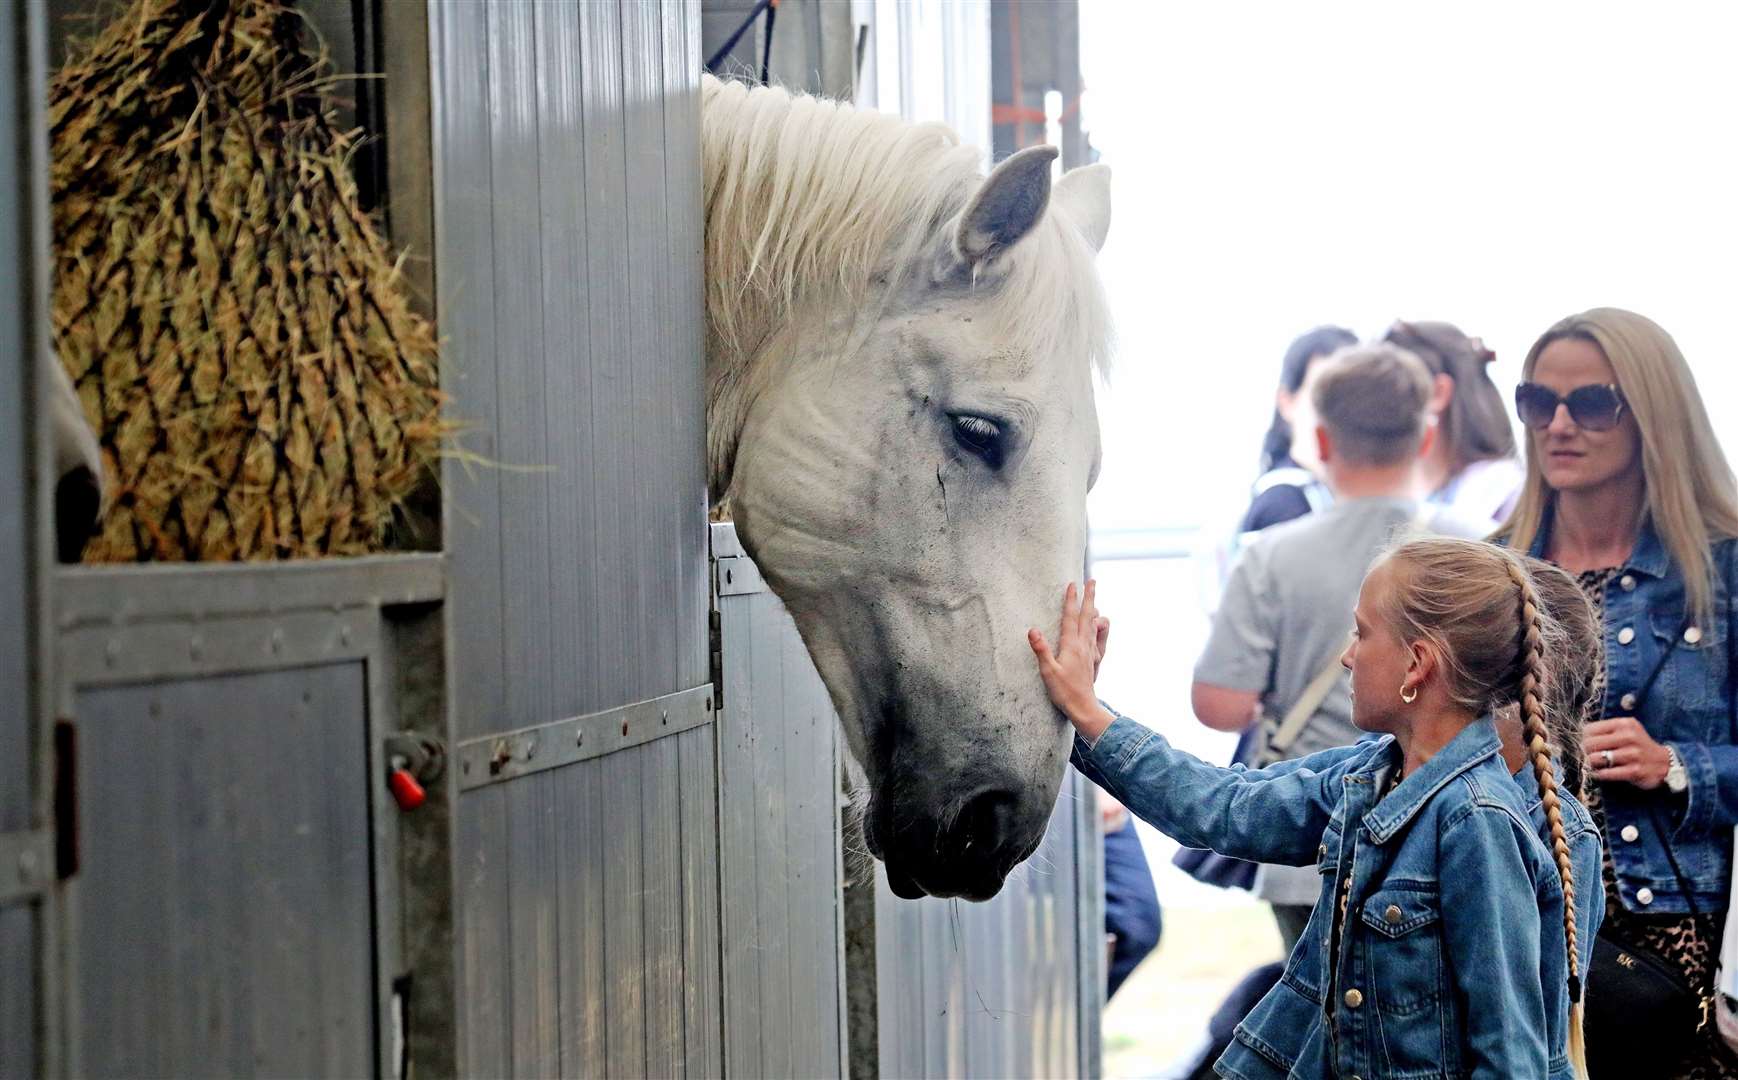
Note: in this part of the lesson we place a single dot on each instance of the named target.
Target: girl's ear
(1422, 665)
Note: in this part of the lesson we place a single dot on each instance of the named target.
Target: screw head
(27, 866)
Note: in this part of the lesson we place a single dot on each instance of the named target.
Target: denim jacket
(1450, 960)
(1687, 710)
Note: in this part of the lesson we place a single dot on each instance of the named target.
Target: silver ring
(1609, 762)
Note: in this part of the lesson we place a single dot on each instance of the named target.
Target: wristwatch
(1677, 777)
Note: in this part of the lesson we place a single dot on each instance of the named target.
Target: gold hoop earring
(1409, 696)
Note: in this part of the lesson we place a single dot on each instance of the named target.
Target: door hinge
(65, 799)
(715, 637)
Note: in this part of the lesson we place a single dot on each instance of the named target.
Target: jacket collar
(1649, 557)
(1476, 742)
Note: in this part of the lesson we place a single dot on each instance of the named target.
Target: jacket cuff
(1116, 745)
(1704, 791)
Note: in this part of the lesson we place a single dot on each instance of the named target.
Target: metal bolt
(195, 646)
(112, 651)
(27, 866)
(344, 635)
(530, 747)
(277, 641)
(666, 716)
(579, 736)
(624, 726)
(502, 755)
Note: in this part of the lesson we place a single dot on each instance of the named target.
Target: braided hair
(1531, 650)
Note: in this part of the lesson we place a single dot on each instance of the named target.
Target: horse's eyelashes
(980, 436)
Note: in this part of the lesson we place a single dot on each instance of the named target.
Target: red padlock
(405, 789)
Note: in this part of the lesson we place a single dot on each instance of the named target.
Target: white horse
(900, 416)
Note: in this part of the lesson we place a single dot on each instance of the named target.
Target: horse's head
(911, 477)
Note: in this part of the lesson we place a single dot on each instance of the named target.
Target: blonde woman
(1627, 487)
(1444, 941)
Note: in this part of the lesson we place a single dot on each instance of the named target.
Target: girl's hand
(1635, 757)
(1069, 671)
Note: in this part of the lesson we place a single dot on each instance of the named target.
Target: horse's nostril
(984, 823)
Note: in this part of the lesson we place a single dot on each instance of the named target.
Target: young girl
(1445, 939)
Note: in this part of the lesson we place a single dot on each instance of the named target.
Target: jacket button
(1354, 998)
(1626, 635)
(1321, 851)
(1630, 834)
(1627, 583)
(1627, 701)
(1392, 915)
(1692, 634)
(1644, 896)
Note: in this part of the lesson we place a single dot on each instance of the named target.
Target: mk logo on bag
(1626, 960)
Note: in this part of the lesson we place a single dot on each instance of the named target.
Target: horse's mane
(807, 197)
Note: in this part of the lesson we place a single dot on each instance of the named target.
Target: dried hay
(233, 321)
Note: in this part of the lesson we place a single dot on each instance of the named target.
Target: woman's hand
(1070, 670)
(1635, 758)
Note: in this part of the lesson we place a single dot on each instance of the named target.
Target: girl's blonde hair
(1478, 607)
(1692, 498)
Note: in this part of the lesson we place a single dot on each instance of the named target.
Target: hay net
(234, 322)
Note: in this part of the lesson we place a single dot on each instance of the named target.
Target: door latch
(411, 762)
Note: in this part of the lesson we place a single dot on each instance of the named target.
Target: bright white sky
(1281, 165)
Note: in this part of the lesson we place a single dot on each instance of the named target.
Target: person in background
(1287, 489)
(1289, 486)
(1472, 464)
(1627, 487)
(1277, 636)
(1132, 917)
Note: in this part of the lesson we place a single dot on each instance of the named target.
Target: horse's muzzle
(969, 857)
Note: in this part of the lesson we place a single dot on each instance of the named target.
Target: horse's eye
(979, 436)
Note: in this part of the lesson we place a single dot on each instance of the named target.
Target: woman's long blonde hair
(1692, 498)
(1498, 643)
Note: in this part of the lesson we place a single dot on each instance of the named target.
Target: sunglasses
(1596, 407)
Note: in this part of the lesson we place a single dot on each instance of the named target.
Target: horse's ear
(1084, 195)
(1005, 208)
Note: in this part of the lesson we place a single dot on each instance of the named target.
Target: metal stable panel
(238, 855)
(29, 1005)
(1010, 987)
(224, 912)
(568, 241)
(784, 961)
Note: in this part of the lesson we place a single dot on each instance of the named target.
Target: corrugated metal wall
(1011, 987)
(567, 202)
(784, 961)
